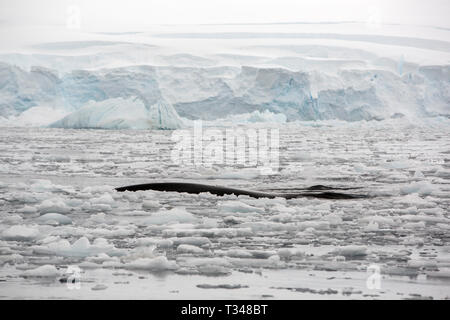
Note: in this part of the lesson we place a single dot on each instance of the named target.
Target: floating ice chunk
(89, 265)
(423, 188)
(212, 232)
(140, 252)
(98, 207)
(271, 262)
(182, 226)
(27, 210)
(281, 208)
(132, 213)
(414, 225)
(101, 257)
(238, 253)
(80, 248)
(268, 226)
(97, 218)
(265, 202)
(209, 223)
(196, 262)
(214, 270)
(99, 287)
(322, 207)
(26, 197)
(117, 231)
(98, 189)
(112, 264)
(411, 210)
(424, 218)
(234, 220)
(160, 243)
(339, 259)
(381, 221)
(316, 225)
(130, 196)
(187, 248)
(164, 243)
(262, 254)
(59, 158)
(360, 168)
(415, 199)
(195, 241)
(351, 251)
(151, 204)
(207, 266)
(334, 218)
(74, 202)
(372, 226)
(287, 253)
(282, 217)
(237, 206)
(53, 206)
(13, 219)
(153, 264)
(21, 233)
(106, 198)
(52, 218)
(46, 271)
(12, 258)
(418, 175)
(49, 239)
(442, 173)
(412, 241)
(42, 185)
(398, 164)
(175, 215)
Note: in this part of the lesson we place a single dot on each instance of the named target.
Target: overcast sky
(121, 13)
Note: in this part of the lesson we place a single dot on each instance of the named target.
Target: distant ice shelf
(161, 97)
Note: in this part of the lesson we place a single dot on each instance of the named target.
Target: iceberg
(120, 113)
(35, 117)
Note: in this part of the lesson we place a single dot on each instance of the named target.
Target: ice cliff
(159, 96)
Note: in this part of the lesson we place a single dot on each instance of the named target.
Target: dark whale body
(322, 192)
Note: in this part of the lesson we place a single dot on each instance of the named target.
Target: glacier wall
(210, 93)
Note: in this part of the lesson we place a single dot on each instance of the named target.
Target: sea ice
(50, 218)
(46, 271)
(21, 233)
